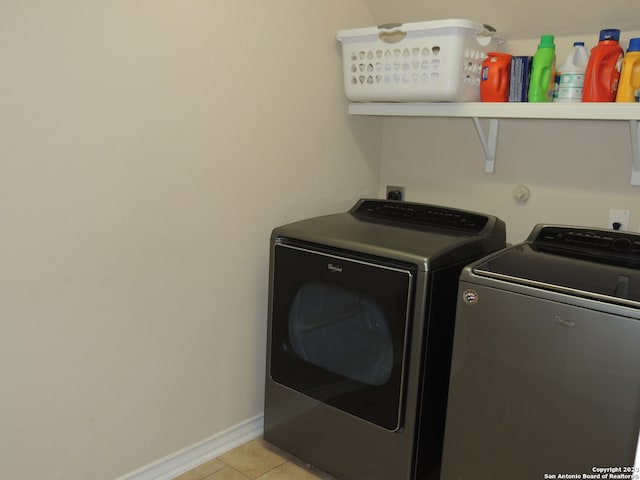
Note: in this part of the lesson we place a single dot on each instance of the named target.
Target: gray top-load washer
(545, 374)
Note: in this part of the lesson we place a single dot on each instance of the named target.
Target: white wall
(576, 170)
(568, 17)
(147, 149)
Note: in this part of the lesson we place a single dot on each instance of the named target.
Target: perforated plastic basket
(436, 61)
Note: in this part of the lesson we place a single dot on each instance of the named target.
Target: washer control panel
(586, 240)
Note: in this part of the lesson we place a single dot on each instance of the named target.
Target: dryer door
(338, 330)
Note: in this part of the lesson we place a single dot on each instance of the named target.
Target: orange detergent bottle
(603, 70)
(495, 78)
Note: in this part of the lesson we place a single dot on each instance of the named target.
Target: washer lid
(602, 264)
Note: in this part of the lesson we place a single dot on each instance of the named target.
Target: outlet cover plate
(619, 216)
(395, 192)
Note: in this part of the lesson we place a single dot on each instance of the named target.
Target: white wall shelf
(628, 112)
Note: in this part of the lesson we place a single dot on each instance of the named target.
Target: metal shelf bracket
(634, 128)
(489, 142)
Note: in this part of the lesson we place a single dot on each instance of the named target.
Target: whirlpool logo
(334, 268)
(558, 320)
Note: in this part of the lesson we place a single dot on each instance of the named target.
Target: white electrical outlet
(619, 216)
(395, 192)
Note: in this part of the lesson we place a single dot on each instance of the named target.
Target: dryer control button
(621, 244)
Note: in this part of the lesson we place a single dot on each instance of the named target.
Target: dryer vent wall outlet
(395, 193)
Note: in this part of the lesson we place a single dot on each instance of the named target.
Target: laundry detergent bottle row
(603, 70)
(543, 72)
(569, 83)
(629, 86)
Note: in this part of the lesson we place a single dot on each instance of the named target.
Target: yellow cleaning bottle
(629, 85)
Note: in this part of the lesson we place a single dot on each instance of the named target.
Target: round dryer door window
(342, 331)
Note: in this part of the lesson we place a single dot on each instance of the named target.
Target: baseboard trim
(190, 457)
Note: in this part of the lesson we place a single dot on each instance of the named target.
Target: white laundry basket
(435, 61)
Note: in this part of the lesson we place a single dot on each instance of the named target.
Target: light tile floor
(255, 460)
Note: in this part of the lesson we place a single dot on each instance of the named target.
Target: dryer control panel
(419, 214)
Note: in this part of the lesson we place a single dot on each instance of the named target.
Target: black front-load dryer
(361, 313)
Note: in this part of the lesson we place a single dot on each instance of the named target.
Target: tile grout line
(253, 453)
(244, 475)
(238, 471)
(226, 465)
(284, 460)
